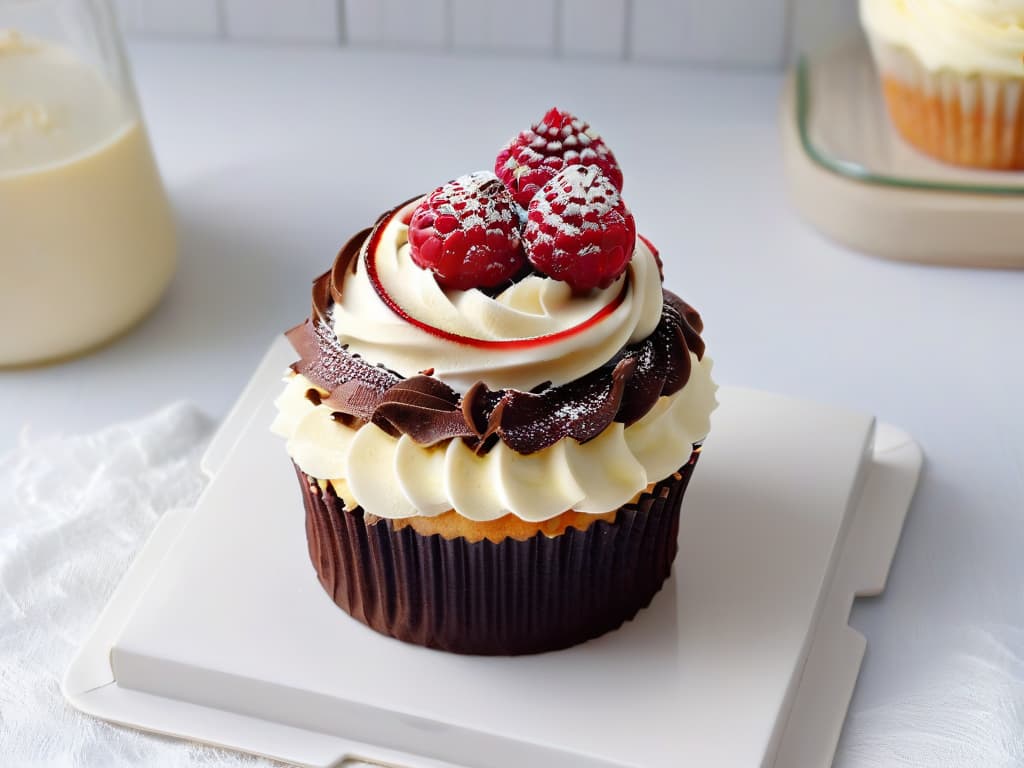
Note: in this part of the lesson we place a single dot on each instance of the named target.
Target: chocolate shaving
(581, 409)
(679, 374)
(426, 409)
(426, 386)
(346, 256)
(351, 381)
(356, 398)
(354, 246)
(477, 405)
(347, 419)
(691, 323)
(648, 380)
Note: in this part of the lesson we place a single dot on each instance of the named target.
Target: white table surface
(273, 156)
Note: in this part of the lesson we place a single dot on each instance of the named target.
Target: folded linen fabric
(73, 513)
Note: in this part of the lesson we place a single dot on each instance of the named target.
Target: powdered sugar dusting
(579, 230)
(467, 233)
(558, 141)
(467, 199)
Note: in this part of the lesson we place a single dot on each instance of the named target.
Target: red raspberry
(558, 141)
(467, 233)
(579, 230)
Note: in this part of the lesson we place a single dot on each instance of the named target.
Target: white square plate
(221, 632)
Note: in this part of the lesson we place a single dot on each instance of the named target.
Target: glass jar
(87, 243)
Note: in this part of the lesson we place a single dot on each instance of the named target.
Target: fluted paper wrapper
(509, 598)
(969, 119)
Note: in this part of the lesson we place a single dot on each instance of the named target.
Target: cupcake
(952, 74)
(497, 407)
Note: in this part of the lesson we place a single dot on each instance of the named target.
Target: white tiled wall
(406, 23)
(815, 23)
(745, 33)
(497, 25)
(730, 32)
(593, 28)
(171, 18)
(280, 20)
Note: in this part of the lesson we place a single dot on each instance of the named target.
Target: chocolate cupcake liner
(507, 598)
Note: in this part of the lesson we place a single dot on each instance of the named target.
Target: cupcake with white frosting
(497, 407)
(953, 73)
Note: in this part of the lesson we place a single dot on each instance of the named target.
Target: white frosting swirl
(971, 36)
(395, 477)
(532, 307)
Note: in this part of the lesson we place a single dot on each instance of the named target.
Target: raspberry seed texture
(467, 233)
(579, 230)
(558, 141)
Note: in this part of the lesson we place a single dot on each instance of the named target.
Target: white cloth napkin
(73, 512)
(969, 713)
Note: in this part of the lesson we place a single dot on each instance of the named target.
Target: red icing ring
(525, 343)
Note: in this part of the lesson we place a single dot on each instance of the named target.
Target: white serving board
(221, 633)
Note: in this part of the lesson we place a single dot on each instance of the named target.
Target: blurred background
(727, 33)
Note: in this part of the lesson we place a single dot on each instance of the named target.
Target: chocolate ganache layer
(430, 412)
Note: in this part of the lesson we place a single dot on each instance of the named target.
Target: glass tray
(843, 126)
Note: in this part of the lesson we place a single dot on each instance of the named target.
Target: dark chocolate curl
(323, 361)
(426, 426)
(425, 386)
(347, 257)
(679, 373)
(647, 382)
(303, 340)
(580, 410)
(322, 298)
(690, 322)
(425, 409)
(477, 405)
(355, 398)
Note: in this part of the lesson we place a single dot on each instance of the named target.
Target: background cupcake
(952, 73)
(497, 408)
